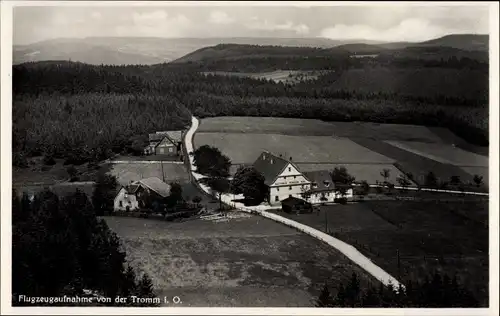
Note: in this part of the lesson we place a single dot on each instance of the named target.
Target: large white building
(284, 179)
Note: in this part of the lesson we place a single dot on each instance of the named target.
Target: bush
(46, 168)
(19, 160)
(341, 200)
(74, 179)
(49, 160)
(197, 199)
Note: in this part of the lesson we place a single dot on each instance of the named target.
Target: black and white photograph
(289, 155)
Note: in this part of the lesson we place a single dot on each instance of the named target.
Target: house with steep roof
(285, 180)
(282, 176)
(323, 190)
(167, 143)
(141, 194)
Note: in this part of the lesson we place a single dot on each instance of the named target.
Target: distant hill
(79, 51)
(144, 50)
(468, 42)
(430, 50)
(239, 51)
(152, 50)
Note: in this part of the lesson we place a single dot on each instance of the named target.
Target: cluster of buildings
(287, 185)
(285, 180)
(136, 194)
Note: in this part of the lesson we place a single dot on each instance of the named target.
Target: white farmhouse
(284, 179)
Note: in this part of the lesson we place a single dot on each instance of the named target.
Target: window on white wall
(276, 198)
(170, 149)
(289, 169)
(290, 188)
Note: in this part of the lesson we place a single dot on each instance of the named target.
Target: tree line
(101, 108)
(179, 80)
(436, 291)
(468, 123)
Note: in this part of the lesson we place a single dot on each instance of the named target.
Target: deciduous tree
(250, 183)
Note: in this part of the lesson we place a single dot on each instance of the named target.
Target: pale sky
(387, 23)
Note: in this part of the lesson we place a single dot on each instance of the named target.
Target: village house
(167, 143)
(323, 190)
(284, 179)
(139, 194)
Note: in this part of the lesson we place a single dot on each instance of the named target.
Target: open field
(245, 148)
(310, 127)
(286, 76)
(125, 173)
(480, 171)
(258, 125)
(449, 138)
(37, 172)
(146, 158)
(443, 153)
(418, 165)
(244, 262)
(368, 172)
(446, 236)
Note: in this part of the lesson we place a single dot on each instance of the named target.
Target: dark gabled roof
(174, 136)
(166, 141)
(293, 201)
(131, 189)
(154, 137)
(270, 166)
(155, 184)
(322, 179)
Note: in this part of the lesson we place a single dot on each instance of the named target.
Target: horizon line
(244, 37)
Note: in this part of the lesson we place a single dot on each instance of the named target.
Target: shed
(293, 204)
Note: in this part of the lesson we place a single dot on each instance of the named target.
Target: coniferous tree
(325, 298)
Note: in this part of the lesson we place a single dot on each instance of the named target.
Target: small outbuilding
(296, 205)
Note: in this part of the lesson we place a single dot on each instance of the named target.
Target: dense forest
(436, 291)
(60, 247)
(69, 109)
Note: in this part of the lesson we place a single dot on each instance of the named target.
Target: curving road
(346, 249)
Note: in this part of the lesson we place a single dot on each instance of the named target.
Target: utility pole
(399, 263)
(326, 222)
(162, 173)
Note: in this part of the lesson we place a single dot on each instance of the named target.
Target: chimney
(281, 155)
(271, 161)
(264, 156)
(290, 158)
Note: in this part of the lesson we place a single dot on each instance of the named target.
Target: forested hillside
(73, 110)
